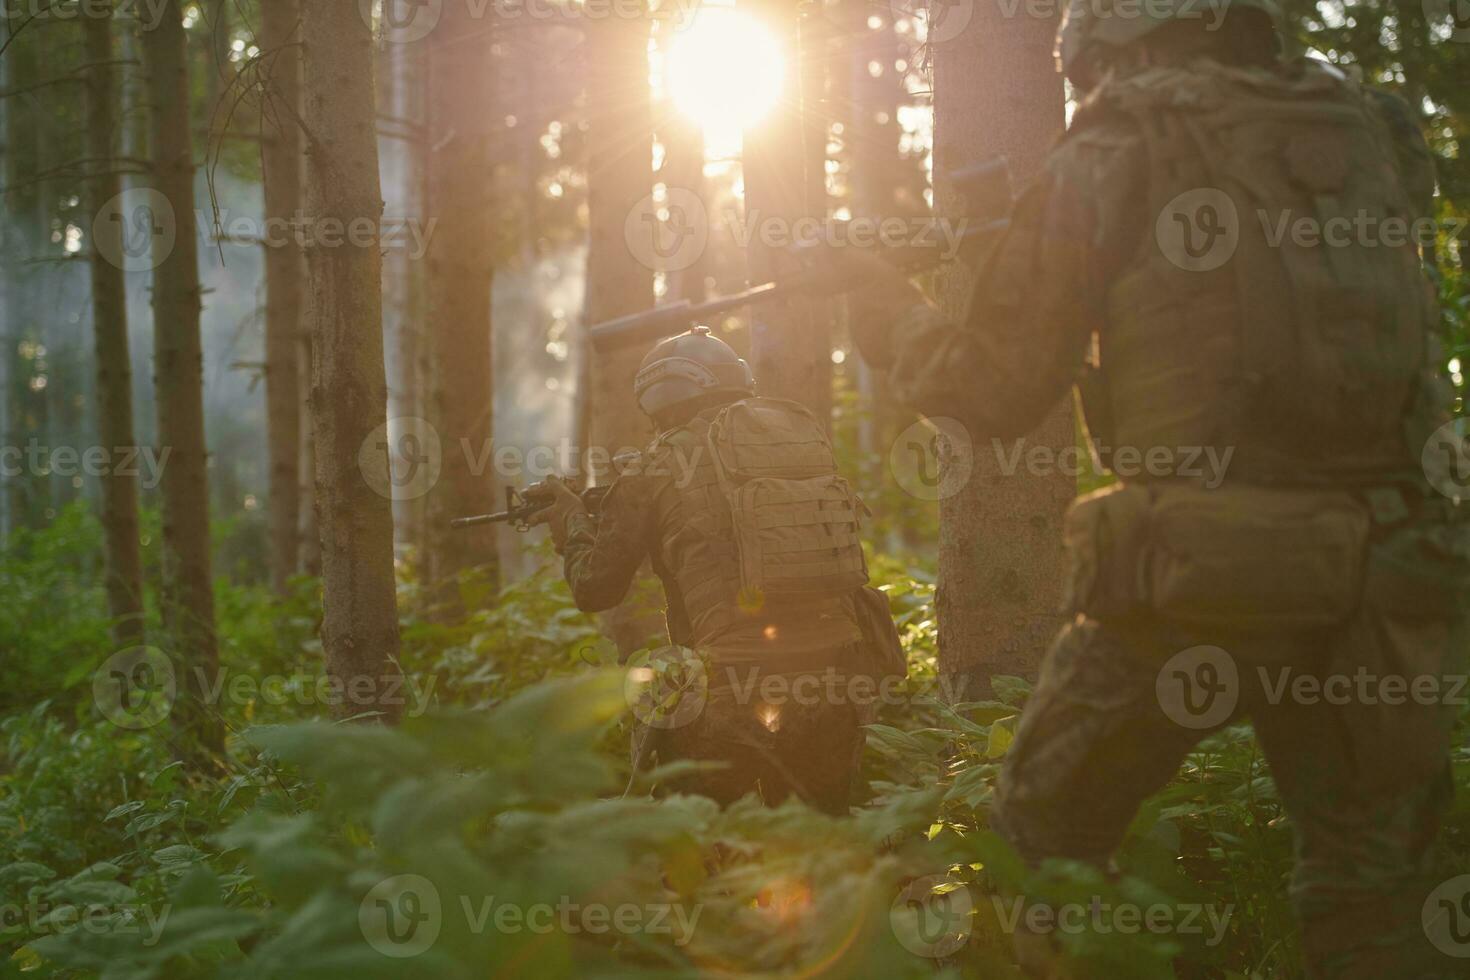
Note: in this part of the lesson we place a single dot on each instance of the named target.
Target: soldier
(1147, 263)
(738, 505)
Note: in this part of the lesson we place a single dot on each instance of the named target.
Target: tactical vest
(760, 526)
(1314, 361)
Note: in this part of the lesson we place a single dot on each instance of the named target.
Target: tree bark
(348, 387)
(461, 266)
(22, 232)
(402, 83)
(1001, 562)
(790, 343)
(188, 581)
(619, 176)
(114, 398)
(880, 184)
(285, 269)
(309, 534)
(682, 168)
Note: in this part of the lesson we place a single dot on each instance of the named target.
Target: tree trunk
(401, 76)
(461, 264)
(114, 406)
(348, 388)
(619, 177)
(790, 344)
(682, 168)
(22, 234)
(188, 581)
(309, 534)
(1001, 563)
(285, 268)
(880, 184)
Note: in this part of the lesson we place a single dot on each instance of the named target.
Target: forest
(288, 286)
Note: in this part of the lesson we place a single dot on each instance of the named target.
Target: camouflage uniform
(667, 507)
(1318, 370)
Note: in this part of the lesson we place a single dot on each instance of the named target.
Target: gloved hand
(564, 503)
(879, 291)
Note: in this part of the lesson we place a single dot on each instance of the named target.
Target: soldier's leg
(1365, 782)
(1092, 743)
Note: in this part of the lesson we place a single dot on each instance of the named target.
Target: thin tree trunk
(114, 403)
(218, 71)
(401, 84)
(682, 169)
(349, 390)
(461, 265)
(790, 344)
(188, 581)
(881, 184)
(997, 92)
(285, 269)
(309, 534)
(22, 235)
(619, 176)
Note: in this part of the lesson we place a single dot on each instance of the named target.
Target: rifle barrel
(495, 518)
(672, 318)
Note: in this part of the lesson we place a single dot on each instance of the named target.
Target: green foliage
(507, 800)
(53, 622)
(528, 631)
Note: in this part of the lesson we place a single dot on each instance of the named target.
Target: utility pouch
(1421, 571)
(1254, 558)
(1105, 533)
(882, 655)
(1245, 558)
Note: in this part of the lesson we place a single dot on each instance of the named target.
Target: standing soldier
(738, 505)
(1157, 261)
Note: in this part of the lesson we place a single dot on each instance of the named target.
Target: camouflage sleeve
(1038, 296)
(1415, 160)
(601, 556)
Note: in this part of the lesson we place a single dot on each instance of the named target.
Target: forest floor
(491, 827)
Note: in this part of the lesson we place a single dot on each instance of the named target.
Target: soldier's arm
(1036, 300)
(601, 557)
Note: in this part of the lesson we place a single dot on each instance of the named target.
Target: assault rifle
(985, 187)
(522, 505)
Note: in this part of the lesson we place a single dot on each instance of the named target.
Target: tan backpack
(795, 521)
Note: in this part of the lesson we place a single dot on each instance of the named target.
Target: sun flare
(725, 72)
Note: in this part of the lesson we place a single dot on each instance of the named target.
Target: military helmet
(687, 367)
(1090, 25)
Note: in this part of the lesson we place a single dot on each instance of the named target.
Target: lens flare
(725, 71)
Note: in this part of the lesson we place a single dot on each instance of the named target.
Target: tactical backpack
(794, 520)
(1313, 357)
